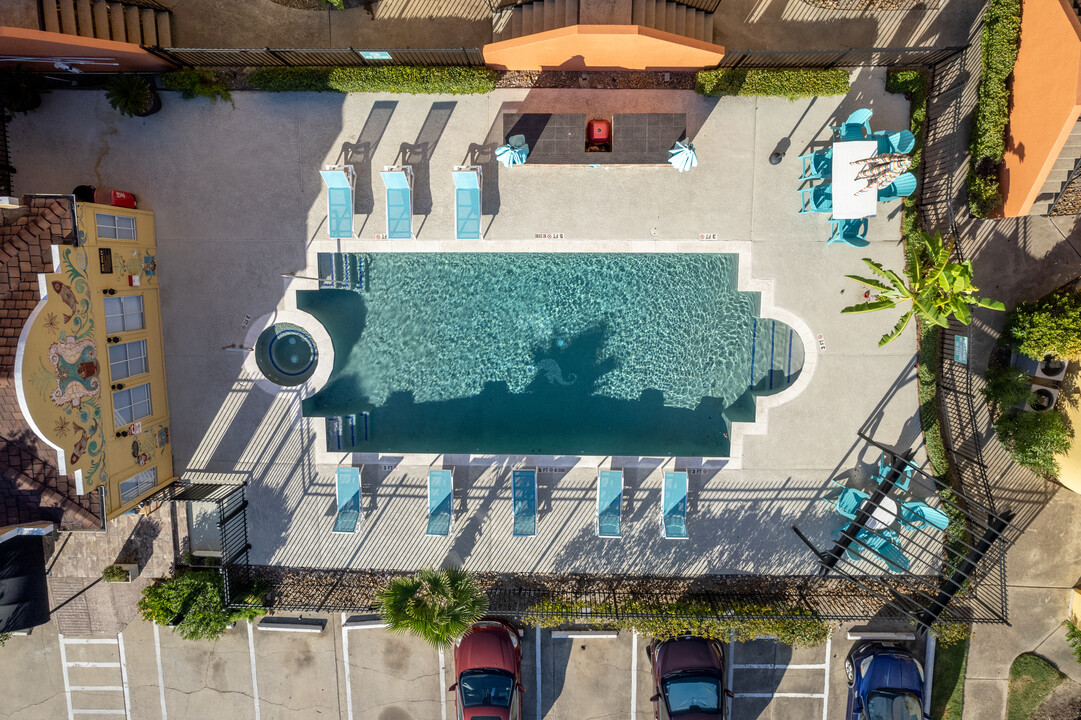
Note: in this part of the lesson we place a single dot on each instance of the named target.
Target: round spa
(286, 354)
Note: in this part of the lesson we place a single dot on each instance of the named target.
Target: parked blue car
(885, 682)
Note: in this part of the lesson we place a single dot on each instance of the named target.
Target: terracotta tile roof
(31, 488)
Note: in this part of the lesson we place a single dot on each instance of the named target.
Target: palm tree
(436, 605)
(936, 287)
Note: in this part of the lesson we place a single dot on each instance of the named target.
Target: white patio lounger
(609, 503)
(349, 497)
(467, 209)
(399, 183)
(340, 181)
(440, 501)
(524, 495)
(674, 505)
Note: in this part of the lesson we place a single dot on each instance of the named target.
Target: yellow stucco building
(89, 368)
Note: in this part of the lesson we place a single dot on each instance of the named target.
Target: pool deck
(238, 201)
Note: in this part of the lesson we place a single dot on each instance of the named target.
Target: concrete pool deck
(238, 202)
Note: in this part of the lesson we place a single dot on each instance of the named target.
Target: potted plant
(132, 95)
(120, 572)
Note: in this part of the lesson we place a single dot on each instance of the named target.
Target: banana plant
(934, 286)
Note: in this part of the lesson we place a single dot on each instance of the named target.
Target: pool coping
(745, 282)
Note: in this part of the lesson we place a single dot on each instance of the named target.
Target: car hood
(485, 648)
(895, 672)
(686, 654)
(487, 713)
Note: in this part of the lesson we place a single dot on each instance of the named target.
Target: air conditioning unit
(6, 201)
(1051, 369)
(1046, 397)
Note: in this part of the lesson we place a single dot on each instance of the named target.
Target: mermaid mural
(76, 366)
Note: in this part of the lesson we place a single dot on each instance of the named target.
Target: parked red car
(488, 665)
(688, 679)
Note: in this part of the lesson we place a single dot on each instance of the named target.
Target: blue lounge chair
(817, 165)
(674, 505)
(895, 142)
(467, 185)
(399, 183)
(878, 548)
(523, 485)
(856, 127)
(609, 503)
(349, 496)
(849, 232)
(440, 500)
(848, 502)
(903, 186)
(340, 180)
(817, 199)
(915, 514)
(902, 482)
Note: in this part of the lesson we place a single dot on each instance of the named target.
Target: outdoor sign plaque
(375, 55)
(105, 261)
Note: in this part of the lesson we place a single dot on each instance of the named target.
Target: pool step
(345, 271)
(776, 356)
(343, 433)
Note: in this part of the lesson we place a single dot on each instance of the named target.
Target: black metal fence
(232, 513)
(6, 170)
(869, 57)
(316, 57)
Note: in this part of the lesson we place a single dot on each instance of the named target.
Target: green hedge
(197, 82)
(1051, 325)
(793, 626)
(388, 78)
(998, 49)
(791, 84)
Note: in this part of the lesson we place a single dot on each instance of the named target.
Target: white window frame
(115, 227)
(125, 313)
(140, 485)
(131, 406)
(121, 369)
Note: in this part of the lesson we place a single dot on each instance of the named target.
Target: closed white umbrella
(682, 156)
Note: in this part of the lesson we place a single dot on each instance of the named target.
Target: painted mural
(61, 366)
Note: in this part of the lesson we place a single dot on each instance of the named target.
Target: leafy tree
(1049, 326)
(197, 600)
(438, 606)
(935, 287)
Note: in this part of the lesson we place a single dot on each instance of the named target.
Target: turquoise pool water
(598, 354)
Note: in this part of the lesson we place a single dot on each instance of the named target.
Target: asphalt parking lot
(355, 672)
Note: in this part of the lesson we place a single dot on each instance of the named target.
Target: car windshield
(692, 693)
(893, 705)
(485, 688)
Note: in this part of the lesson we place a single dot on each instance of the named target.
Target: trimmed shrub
(998, 52)
(197, 600)
(1049, 326)
(195, 83)
(415, 80)
(114, 573)
(793, 626)
(789, 83)
(1034, 438)
(948, 633)
(1005, 388)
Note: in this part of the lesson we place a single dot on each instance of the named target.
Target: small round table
(883, 516)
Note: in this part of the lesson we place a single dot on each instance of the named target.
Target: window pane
(115, 227)
(127, 359)
(137, 485)
(131, 404)
(124, 314)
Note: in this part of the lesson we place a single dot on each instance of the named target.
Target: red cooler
(598, 132)
(119, 198)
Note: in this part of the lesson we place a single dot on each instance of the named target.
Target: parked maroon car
(688, 679)
(488, 663)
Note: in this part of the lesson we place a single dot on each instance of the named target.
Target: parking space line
(161, 675)
(443, 684)
(124, 674)
(771, 666)
(95, 688)
(88, 641)
(345, 659)
(85, 664)
(538, 638)
(826, 682)
(779, 695)
(254, 679)
(731, 668)
(67, 683)
(634, 676)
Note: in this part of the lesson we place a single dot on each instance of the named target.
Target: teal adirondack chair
(895, 142)
(903, 186)
(915, 514)
(849, 232)
(856, 127)
(817, 165)
(817, 199)
(902, 482)
(878, 548)
(848, 502)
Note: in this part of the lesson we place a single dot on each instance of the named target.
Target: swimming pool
(568, 353)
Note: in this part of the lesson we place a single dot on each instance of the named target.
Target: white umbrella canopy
(682, 156)
(512, 154)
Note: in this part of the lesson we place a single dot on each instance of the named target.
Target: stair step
(670, 17)
(707, 34)
(570, 13)
(651, 14)
(51, 16)
(551, 22)
(682, 15)
(516, 23)
(68, 23)
(163, 28)
(150, 32)
(131, 23)
(638, 12)
(85, 17)
(1064, 162)
(100, 12)
(538, 16)
(699, 24)
(116, 22)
